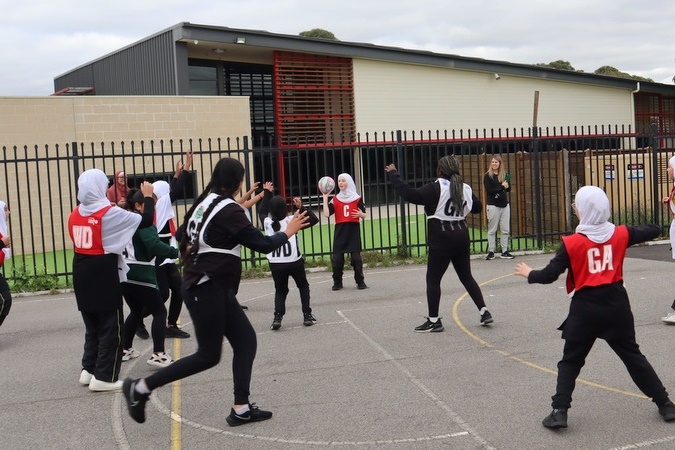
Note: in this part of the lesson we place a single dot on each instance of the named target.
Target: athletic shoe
(254, 414)
(130, 354)
(361, 285)
(337, 286)
(85, 378)
(430, 327)
(135, 401)
(309, 320)
(104, 386)
(667, 411)
(506, 255)
(174, 332)
(142, 332)
(244, 307)
(276, 323)
(670, 318)
(490, 256)
(160, 359)
(486, 318)
(557, 419)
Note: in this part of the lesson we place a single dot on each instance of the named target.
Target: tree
(319, 33)
(614, 72)
(559, 64)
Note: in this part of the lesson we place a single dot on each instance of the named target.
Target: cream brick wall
(391, 96)
(41, 194)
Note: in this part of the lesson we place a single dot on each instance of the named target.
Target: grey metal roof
(258, 39)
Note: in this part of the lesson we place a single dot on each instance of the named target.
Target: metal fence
(546, 167)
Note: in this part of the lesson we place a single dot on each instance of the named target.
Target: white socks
(242, 410)
(433, 319)
(482, 310)
(141, 387)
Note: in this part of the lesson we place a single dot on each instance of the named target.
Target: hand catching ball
(326, 185)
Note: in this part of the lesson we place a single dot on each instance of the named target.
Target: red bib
(343, 211)
(86, 231)
(595, 264)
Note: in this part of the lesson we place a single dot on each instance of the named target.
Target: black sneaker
(486, 318)
(174, 332)
(361, 285)
(337, 286)
(255, 414)
(276, 323)
(667, 411)
(142, 332)
(430, 327)
(135, 401)
(557, 419)
(490, 256)
(309, 320)
(506, 255)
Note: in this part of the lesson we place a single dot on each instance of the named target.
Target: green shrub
(25, 281)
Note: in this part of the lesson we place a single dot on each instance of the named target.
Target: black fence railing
(545, 171)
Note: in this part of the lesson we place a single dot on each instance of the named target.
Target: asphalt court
(360, 378)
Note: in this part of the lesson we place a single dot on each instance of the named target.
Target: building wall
(391, 96)
(36, 134)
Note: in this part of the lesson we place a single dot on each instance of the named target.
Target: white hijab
(163, 209)
(348, 194)
(593, 210)
(119, 225)
(4, 229)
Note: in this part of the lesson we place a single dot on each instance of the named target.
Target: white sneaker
(103, 386)
(160, 359)
(130, 354)
(670, 318)
(85, 378)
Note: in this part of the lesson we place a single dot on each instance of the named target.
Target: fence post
(536, 178)
(401, 164)
(76, 164)
(247, 179)
(656, 198)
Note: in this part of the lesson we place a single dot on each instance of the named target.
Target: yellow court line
(176, 443)
(455, 316)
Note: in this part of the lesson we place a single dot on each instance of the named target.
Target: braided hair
(448, 168)
(225, 181)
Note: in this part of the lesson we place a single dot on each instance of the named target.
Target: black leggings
(140, 299)
(280, 275)
(574, 358)
(215, 313)
(169, 278)
(5, 299)
(449, 245)
(338, 262)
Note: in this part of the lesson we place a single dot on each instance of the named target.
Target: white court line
(413, 379)
(644, 444)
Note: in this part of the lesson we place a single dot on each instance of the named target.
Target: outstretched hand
(147, 189)
(389, 168)
(522, 270)
(297, 223)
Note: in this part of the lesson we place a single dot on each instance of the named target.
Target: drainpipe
(632, 102)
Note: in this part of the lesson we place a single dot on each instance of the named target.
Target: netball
(326, 185)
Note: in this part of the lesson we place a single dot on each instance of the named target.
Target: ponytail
(278, 211)
(448, 168)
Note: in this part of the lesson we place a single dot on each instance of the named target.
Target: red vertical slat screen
(313, 99)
